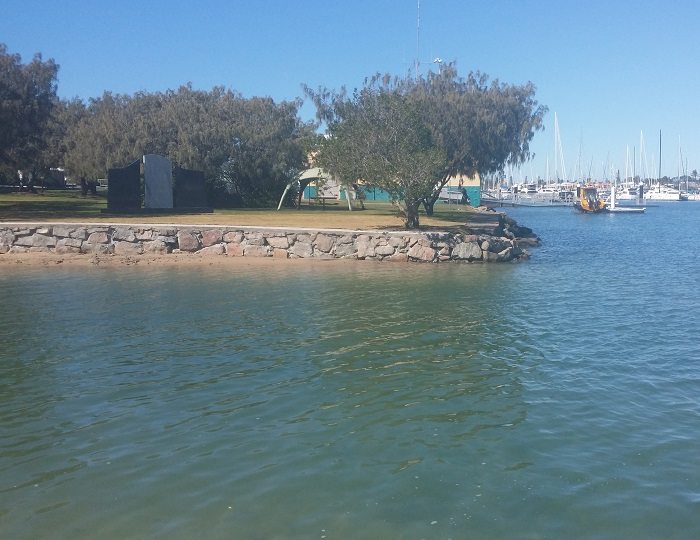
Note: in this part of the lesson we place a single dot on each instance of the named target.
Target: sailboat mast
(556, 156)
(659, 182)
(680, 160)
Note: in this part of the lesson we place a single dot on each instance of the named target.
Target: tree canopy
(475, 125)
(249, 149)
(380, 138)
(27, 97)
(408, 136)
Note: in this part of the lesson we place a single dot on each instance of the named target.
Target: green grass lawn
(72, 206)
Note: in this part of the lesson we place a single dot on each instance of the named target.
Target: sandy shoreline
(14, 260)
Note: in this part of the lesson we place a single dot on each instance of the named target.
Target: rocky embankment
(494, 238)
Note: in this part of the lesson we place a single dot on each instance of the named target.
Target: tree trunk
(412, 216)
(429, 204)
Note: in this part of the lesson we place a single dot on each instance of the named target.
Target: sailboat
(662, 192)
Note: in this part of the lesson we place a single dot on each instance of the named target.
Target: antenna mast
(418, 44)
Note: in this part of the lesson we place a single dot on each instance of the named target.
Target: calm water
(555, 398)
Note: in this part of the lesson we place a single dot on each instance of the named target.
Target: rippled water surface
(554, 398)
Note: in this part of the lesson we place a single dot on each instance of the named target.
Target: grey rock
(145, 234)
(211, 237)
(467, 251)
(256, 251)
(98, 238)
(169, 231)
(346, 239)
(278, 242)
(301, 249)
(42, 241)
(26, 241)
(234, 249)
(345, 251)
(157, 246)
(101, 249)
(169, 239)
(187, 241)
(397, 257)
(365, 248)
(254, 239)
(128, 248)
(233, 236)
(384, 250)
(421, 253)
(324, 243)
(62, 232)
(398, 242)
(505, 255)
(216, 249)
(123, 234)
(68, 245)
(69, 242)
(7, 238)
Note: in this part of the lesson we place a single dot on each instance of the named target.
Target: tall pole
(418, 44)
(659, 182)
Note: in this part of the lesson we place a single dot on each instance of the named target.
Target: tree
(477, 126)
(65, 115)
(27, 96)
(480, 125)
(380, 137)
(113, 131)
(249, 149)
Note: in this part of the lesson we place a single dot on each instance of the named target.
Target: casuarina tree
(473, 125)
(27, 96)
(379, 137)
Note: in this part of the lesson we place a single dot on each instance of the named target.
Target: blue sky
(609, 69)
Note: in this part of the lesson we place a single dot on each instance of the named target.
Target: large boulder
(301, 249)
(187, 241)
(422, 252)
(467, 251)
(211, 237)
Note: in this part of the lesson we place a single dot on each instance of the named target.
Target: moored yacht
(661, 192)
